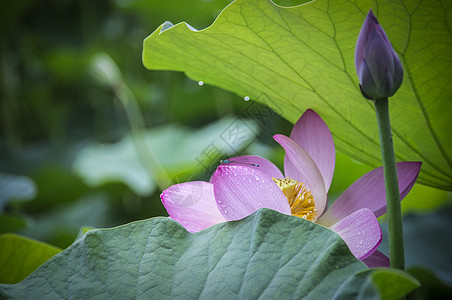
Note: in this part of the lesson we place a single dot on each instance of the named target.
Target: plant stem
(147, 157)
(396, 251)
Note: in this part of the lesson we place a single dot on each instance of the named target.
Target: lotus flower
(378, 66)
(247, 183)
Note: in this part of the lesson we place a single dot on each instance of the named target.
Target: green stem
(396, 252)
(146, 156)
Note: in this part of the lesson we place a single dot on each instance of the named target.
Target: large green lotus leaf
(19, 256)
(303, 57)
(267, 254)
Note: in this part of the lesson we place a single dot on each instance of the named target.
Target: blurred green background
(89, 137)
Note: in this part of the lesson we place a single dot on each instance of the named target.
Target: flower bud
(379, 69)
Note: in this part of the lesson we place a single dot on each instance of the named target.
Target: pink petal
(264, 165)
(314, 136)
(298, 165)
(377, 260)
(241, 190)
(192, 204)
(369, 192)
(360, 231)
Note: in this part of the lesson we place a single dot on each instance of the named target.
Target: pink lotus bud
(379, 69)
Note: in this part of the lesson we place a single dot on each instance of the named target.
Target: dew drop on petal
(246, 98)
(200, 82)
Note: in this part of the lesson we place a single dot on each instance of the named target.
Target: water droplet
(200, 83)
(246, 98)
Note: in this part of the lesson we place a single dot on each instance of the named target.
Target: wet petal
(369, 192)
(192, 204)
(377, 260)
(241, 190)
(298, 165)
(360, 231)
(264, 165)
(314, 136)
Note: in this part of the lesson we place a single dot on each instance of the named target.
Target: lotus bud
(379, 69)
